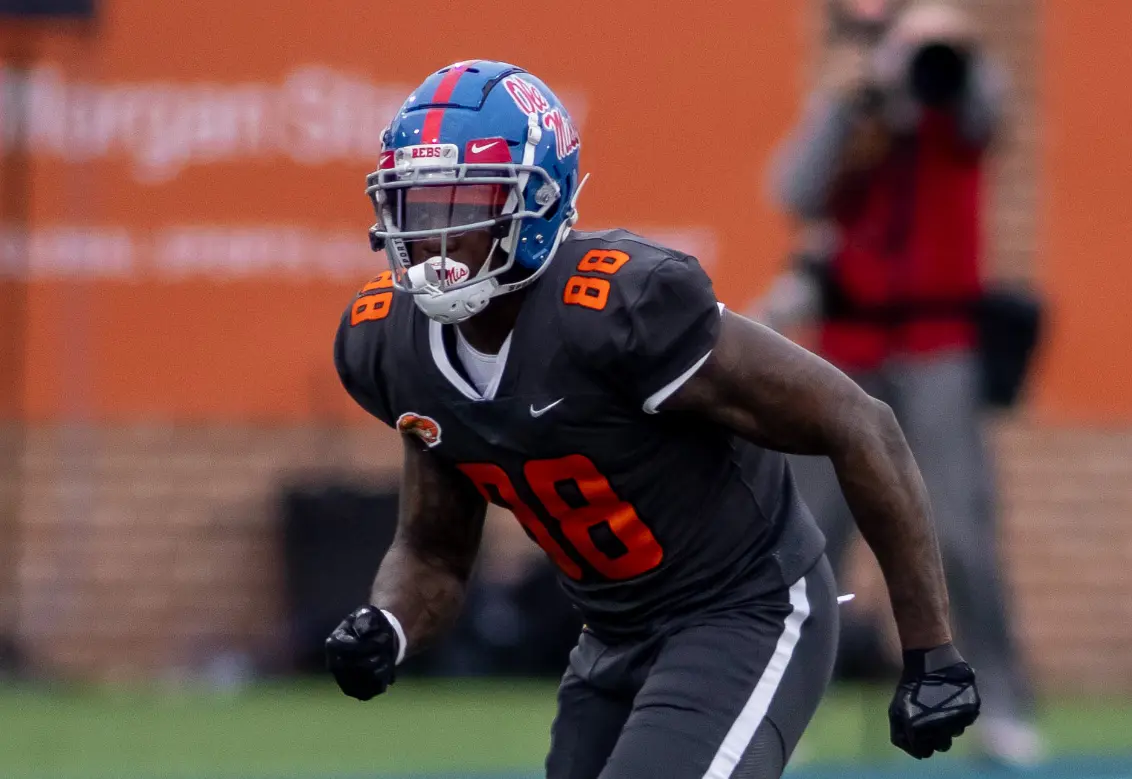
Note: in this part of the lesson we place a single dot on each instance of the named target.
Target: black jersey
(648, 516)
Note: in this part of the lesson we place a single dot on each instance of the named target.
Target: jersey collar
(455, 378)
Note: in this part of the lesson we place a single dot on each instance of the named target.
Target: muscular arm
(782, 397)
(423, 578)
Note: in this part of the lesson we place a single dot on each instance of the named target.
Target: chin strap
(573, 218)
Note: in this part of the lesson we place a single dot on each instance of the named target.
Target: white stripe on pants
(735, 743)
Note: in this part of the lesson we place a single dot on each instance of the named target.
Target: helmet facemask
(435, 200)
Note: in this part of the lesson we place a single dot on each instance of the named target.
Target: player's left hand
(935, 701)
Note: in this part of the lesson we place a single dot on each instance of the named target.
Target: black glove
(935, 701)
(362, 653)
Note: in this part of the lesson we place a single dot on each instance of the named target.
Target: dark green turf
(454, 728)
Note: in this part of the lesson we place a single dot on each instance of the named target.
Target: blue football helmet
(479, 145)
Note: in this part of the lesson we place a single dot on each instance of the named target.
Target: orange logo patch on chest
(425, 428)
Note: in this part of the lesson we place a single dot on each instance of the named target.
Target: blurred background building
(186, 490)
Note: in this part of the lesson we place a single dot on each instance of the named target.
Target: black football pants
(725, 696)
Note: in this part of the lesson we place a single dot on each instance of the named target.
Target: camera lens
(938, 74)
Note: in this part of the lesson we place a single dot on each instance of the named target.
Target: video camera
(937, 72)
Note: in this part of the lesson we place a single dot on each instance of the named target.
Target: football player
(591, 384)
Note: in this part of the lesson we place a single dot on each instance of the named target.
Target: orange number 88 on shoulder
(593, 291)
(374, 300)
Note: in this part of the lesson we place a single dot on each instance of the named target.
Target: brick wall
(1068, 543)
(143, 549)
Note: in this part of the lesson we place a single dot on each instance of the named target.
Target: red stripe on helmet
(431, 131)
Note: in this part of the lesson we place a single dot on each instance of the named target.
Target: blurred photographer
(885, 175)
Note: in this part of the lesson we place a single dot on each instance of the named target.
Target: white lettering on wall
(315, 115)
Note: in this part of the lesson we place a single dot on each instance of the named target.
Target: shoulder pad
(358, 345)
(634, 310)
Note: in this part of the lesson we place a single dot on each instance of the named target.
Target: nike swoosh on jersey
(538, 412)
(478, 149)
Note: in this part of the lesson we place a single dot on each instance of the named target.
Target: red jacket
(911, 243)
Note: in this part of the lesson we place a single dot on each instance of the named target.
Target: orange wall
(681, 111)
(1085, 261)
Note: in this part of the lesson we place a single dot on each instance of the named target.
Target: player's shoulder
(642, 254)
(612, 288)
(618, 269)
(361, 337)
(364, 320)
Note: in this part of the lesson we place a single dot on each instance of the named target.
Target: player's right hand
(362, 653)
